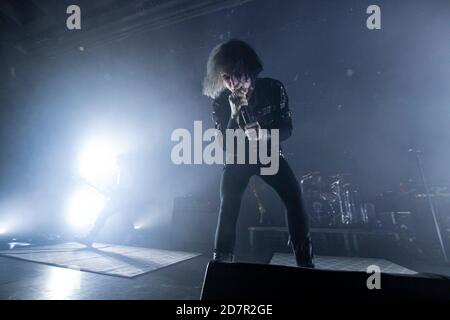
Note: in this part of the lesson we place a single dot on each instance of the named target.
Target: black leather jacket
(268, 104)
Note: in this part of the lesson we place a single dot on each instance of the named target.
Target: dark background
(360, 98)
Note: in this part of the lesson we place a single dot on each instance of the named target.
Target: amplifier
(194, 223)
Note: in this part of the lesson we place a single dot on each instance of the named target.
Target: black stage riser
(236, 281)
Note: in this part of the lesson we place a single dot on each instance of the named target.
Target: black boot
(223, 257)
(304, 253)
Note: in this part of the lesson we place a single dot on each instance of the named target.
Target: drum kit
(333, 201)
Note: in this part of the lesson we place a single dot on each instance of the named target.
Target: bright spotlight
(6, 226)
(84, 207)
(98, 163)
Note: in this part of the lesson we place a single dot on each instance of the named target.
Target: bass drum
(312, 185)
(317, 198)
(321, 213)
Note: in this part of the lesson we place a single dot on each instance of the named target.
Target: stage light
(13, 245)
(16, 215)
(98, 163)
(154, 215)
(84, 207)
(6, 226)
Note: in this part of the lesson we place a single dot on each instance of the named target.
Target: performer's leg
(233, 183)
(109, 210)
(286, 185)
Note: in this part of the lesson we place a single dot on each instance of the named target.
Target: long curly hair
(234, 57)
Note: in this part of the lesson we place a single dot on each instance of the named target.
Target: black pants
(235, 178)
(120, 203)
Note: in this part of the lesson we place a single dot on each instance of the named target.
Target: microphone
(246, 116)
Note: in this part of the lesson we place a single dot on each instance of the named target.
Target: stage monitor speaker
(243, 281)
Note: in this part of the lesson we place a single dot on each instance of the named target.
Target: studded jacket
(268, 104)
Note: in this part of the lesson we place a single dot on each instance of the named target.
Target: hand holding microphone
(239, 104)
(237, 99)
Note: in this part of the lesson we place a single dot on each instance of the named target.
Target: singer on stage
(239, 96)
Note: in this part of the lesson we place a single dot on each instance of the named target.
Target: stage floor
(108, 259)
(343, 263)
(28, 280)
